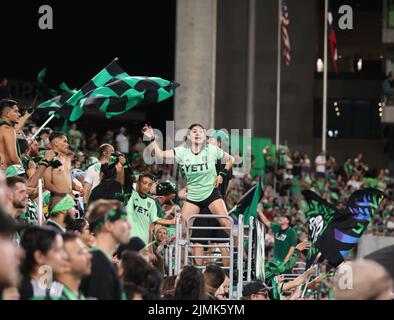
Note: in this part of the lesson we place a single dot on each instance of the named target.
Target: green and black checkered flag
(72, 109)
(54, 104)
(120, 95)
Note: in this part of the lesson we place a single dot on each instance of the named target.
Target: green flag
(247, 205)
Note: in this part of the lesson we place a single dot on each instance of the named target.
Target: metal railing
(189, 239)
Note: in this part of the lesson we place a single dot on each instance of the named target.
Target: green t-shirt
(199, 170)
(141, 212)
(295, 186)
(160, 212)
(284, 239)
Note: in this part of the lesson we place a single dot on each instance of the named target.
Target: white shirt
(354, 184)
(123, 143)
(93, 175)
(320, 162)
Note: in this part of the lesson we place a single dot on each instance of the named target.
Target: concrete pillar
(195, 63)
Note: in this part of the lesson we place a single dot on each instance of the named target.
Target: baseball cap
(220, 136)
(255, 287)
(166, 188)
(14, 170)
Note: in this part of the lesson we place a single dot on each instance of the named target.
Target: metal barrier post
(240, 252)
(260, 251)
(178, 246)
(250, 249)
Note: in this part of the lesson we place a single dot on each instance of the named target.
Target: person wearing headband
(61, 211)
(109, 223)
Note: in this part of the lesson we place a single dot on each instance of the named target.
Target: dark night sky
(87, 35)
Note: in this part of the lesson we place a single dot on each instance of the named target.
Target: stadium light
(319, 65)
(360, 64)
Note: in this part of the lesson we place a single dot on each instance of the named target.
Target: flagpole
(43, 126)
(251, 66)
(40, 215)
(278, 78)
(325, 64)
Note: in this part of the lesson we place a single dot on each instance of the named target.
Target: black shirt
(107, 189)
(103, 283)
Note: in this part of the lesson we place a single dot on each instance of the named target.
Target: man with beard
(80, 266)
(9, 116)
(20, 198)
(61, 211)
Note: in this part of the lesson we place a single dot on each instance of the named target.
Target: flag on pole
(54, 104)
(333, 39)
(120, 95)
(285, 32)
(247, 205)
(114, 92)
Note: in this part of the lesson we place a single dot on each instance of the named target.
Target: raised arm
(263, 218)
(22, 121)
(149, 133)
(299, 280)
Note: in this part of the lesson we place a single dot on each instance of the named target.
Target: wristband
(44, 163)
(223, 173)
(153, 139)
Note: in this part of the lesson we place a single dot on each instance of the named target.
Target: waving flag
(113, 92)
(333, 233)
(54, 104)
(285, 32)
(247, 205)
(119, 96)
(333, 40)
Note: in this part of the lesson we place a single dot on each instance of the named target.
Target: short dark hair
(6, 103)
(12, 181)
(109, 171)
(77, 225)
(56, 134)
(44, 131)
(69, 236)
(214, 276)
(196, 125)
(146, 175)
(36, 238)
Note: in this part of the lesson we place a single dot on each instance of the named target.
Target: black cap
(255, 287)
(165, 188)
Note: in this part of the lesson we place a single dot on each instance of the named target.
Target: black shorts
(206, 202)
(206, 233)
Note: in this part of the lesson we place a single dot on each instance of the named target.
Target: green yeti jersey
(141, 212)
(199, 170)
